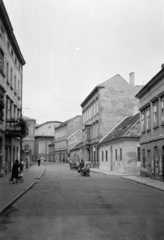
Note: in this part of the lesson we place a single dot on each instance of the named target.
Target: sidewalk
(142, 180)
(9, 192)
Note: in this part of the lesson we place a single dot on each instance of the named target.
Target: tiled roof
(65, 123)
(77, 146)
(37, 126)
(120, 130)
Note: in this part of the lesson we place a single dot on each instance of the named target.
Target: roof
(46, 123)
(74, 134)
(91, 93)
(77, 146)
(151, 83)
(66, 122)
(10, 31)
(121, 129)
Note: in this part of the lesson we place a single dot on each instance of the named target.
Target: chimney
(162, 66)
(131, 79)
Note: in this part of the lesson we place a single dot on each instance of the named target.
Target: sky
(70, 46)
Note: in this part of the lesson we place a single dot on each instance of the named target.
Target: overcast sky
(70, 46)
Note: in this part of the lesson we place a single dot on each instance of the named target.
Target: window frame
(155, 113)
(2, 62)
(148, 120)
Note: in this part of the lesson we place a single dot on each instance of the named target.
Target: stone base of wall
(132, 169)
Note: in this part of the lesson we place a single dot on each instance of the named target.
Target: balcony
(16, 128)
(2, 105)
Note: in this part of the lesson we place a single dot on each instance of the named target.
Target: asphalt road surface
(65, 206)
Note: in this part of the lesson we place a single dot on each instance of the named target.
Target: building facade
(73, 140)
(62, 133)
(12, 126)
(76, 152)
(103, 108)
(44, 135)
(51, 147)
(119, 150)
(28, 142)
(151, 99)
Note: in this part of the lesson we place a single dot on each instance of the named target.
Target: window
(106, 156)
(149, 157)
(143, 120)
(97, 106)
(8, 45)
(120, 154)
(155, 113)
(2, 33)
(143, 157)
(7, 72)
(162, 109)
(15, 83)
(156, 156)
(94, 108)
(148, 118)
(102, 156)
(138, 154)
(116, 154)
(1, 61)
(11, 77)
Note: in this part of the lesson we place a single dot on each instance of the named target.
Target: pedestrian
(15, 171)
(21, 165)
(38, 161)
(26, 164)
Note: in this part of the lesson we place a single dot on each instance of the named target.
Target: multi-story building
(12, 126)
(29, 141)
(103, 108)
(44, 135)
(119, 149)
(62, 133)
(151, 104)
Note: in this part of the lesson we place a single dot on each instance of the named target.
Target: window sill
(148, 130)
(11, 87)
(143, 131)
(8, 82)
(156, 127)
(15, 93)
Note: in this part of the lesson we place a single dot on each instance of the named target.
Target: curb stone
(7, 206)
(147, 185)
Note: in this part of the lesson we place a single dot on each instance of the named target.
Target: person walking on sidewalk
(15, 171)
(38, 161)
(27, 164)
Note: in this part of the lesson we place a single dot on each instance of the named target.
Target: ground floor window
(120, 154)
(106, 156)
(143, 157)
(116, 154)
(138, 154)
(102, 156)
(156, 156)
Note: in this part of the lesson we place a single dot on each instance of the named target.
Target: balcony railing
(16, 127)
(2, 105)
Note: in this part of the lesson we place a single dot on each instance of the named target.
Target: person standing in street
(26, 164)
(38, 161)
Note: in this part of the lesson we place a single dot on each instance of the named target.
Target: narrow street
(64, 205)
